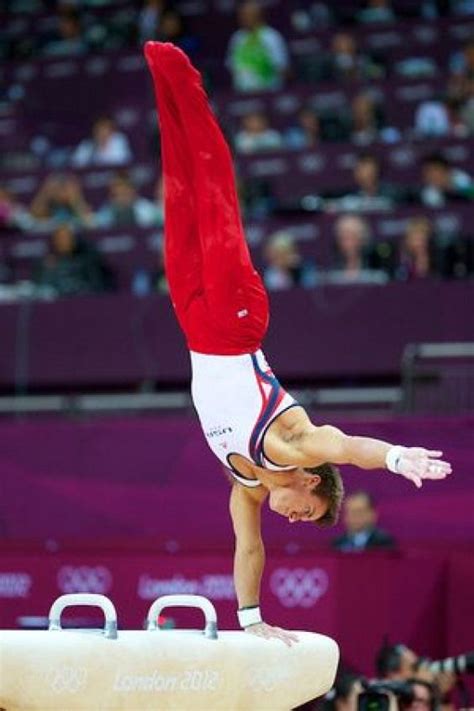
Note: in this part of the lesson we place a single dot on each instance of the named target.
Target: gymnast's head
(315, 494)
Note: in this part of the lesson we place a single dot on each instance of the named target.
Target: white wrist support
(249, 616)
(393, 458)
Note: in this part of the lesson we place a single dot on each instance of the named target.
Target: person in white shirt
(257, 55)
(107, 146)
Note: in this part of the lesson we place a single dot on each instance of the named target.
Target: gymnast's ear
(311, 480)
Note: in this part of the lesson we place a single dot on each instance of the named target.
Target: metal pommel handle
(59, 605)
(197, 601)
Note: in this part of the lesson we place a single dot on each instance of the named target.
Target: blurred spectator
(344, 694)
(432, 119)
(417, 256)
(173, 29)
(257, 55)
(13, 216)
(377, 11)
(60, 200)
(424, 697)
(305, 133)
(442, 182)
(71, 267)
(365, 123)
(360, 521)
(125, 208)
(256, 135)
(370, 192)
(145, 281)
(107, 146)
(347, 62)
(285, 266)
(396, 662)
(68, 39)
(149, 19)
(352, 265)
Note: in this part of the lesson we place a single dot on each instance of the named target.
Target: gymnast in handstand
(264, 438)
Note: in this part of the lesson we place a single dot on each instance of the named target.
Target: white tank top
(237, 398)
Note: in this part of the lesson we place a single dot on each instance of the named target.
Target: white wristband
(249, 616)
(393, 457)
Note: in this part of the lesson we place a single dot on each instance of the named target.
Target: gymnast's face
(297, 502)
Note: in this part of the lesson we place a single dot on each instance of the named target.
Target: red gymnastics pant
(218, 297)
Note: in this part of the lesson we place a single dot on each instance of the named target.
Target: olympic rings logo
(299, 587)
(84, 578)
(67, 679)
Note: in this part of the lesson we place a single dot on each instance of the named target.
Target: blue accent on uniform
(256, 452)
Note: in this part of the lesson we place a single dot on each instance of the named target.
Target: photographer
(399, 663)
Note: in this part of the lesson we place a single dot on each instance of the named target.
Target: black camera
(376, 695)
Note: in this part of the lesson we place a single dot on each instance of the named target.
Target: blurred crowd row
(258, 60)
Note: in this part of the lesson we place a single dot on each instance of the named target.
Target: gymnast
(264, 438)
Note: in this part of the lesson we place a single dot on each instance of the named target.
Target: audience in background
(377, 11)
(106, 146)
(257, 55)
(173, 29)
(285, 266)
(417, 251)
(365, 123)
(126, 208)
(71, 267)
(13, 216)
(68, 38)
(306, 133)
(441, 182)
(60, 200)
(346, 62)
(149, 19)
(360, 521)
(352, 264)
(255, 135)
(370, 192)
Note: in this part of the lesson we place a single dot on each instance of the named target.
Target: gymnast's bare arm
(249, 558)
(293, 439)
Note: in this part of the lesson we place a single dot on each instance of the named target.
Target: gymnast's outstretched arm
(249, 558)
(296, 440)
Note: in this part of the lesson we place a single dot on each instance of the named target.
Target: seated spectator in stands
(256, 136)
(352, 264)
(377, 11)
(442, 182)
(285, 266)
(417, 252)
(13, 216)
(432, 119)
(72, 266)
(306, 133)
(348, 63)
(173, 29)
(149, 19)
(68, 39)
(107, 146)
(257, 55)
(365, 123)
(370, 192)
(60, 200)
(125, 208)
(360, 520)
